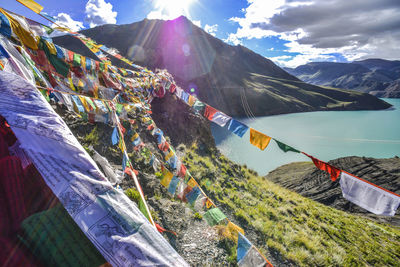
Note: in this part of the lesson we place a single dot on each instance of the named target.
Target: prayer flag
(83, 100)
(285, 147)
(323, 166)
(78, 105)
(243, 247)
(198, 106)
(32, 5)
(258, 139)
(182, 171)
(253, 258)
(214, 216)
(237, 127)
(185, 96)
(173, 184)
(191, 100)
(193, 195)
(115, 136)
(368, 196)
(220, 118)
(209, 112)
(172, 88)
(232, 231)
(167, 178)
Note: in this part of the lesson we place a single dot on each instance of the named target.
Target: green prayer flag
(89, 100)
(214, 216)
(59, 64)
(198, 106)
(119, 108)
(48, 29)
(142, 208)
(285, 147)
(77, 60)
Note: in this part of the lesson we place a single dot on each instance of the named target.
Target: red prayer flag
(172, 88)
(323, 166)
(209, 112)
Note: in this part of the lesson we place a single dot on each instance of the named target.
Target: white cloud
(233, 39)
(357, 29)
(65, 20)
(197, 23)
(211, 29)
(99, 12)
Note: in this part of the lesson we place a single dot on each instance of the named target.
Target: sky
(289, 32)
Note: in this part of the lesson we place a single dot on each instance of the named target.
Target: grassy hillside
(290, 228)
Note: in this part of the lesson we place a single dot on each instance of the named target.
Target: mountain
(305, 179)
(233, 79)
(378, 77)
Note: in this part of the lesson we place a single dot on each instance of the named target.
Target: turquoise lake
(325, 135)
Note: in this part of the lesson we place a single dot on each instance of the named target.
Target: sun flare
(174, 8)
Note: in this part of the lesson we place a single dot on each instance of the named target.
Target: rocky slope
(289, 229)
(305, 179)
(227, 77)
(375, 76)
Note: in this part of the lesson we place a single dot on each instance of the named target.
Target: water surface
(324, 134)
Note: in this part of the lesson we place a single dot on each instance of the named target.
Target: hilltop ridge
(224, 76)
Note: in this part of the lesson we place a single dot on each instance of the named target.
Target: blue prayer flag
(115, 136)
(78, 103)
(193, 195)
(173, 184)
(243, 247)
(237, 127)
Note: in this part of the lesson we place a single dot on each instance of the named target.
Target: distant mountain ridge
(226, 77)
(378, 77)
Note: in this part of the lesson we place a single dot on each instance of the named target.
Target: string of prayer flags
(248, 255)
(209, 112)
(214, 216)
(259, 139)
(368, 196)
(285, 148)
(237, 127)
(220, 118)
(115, 136)
(323, 166)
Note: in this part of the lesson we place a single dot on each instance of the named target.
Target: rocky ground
(305, 179)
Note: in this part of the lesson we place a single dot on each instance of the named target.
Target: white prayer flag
(368, 196)
(220, 118)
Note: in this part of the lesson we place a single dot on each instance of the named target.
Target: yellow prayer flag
(25, 35)
(135, 136)
(84, 103)
(32, 5)
(258, 139)
(191, 100)
(51, 47)
(83, 62)
(232, 231)
(71, 84)
(208, 203)
(192, 182)
(167, 178)
(170, 154)
(121, 144)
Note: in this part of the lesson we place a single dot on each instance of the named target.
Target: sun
(174, 8)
